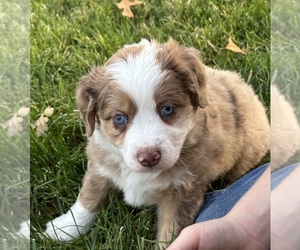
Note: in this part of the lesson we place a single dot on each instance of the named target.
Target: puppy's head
(143, 102)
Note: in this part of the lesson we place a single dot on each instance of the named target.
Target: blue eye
(166, 111)
(120, 120)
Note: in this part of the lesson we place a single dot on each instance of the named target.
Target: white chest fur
(139, 189)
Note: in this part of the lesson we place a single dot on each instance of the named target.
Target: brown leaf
(125, 5)
(41, 125)
(15, 124)
(23, 111)
(48, 111)
(233, 47)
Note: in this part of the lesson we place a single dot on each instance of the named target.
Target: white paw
(24, 231)
(77, 221)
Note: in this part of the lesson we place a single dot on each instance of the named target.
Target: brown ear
(199, 76)
(186, 62)
(87, 95)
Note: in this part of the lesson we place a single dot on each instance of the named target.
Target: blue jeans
(219, 203)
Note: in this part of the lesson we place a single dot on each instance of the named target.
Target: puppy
(161, 126)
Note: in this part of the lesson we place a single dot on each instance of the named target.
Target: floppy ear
(87, 95)
(199, 94)
(186, 61)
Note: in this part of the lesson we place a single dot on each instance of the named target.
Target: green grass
(286, 50)
(14, 93)
(285, 55)
(67, 39)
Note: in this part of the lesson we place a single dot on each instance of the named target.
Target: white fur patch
(75, 222)
(139, 188)
(138, 75)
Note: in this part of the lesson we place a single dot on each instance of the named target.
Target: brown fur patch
(94, 190)
(99, 99)
(177, 209)
(114, 101)
(185, 64)
(172, 92)
(124, 53)
(87, 94)
(285, 131)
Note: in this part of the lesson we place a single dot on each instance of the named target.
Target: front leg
(81, 216)
(177, 210)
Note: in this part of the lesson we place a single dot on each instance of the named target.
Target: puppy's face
(143, 102)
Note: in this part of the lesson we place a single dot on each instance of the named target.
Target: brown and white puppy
(161, 126)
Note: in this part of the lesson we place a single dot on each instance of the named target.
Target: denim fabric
(279, 175)
(219, 203)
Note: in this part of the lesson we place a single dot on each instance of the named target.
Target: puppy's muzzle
(149, 157)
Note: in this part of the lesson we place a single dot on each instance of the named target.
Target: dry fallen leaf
(15, 124)
(23, 111)
(41, 124)
(125, 5)
(233, 47)
(48, 111)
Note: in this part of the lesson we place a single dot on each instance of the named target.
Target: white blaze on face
(139, 75)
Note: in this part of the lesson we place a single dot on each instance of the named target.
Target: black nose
(149, 157)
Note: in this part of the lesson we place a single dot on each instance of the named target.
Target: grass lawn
(14, 144)
(67, 39)
(285, 59)
(286, 50)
